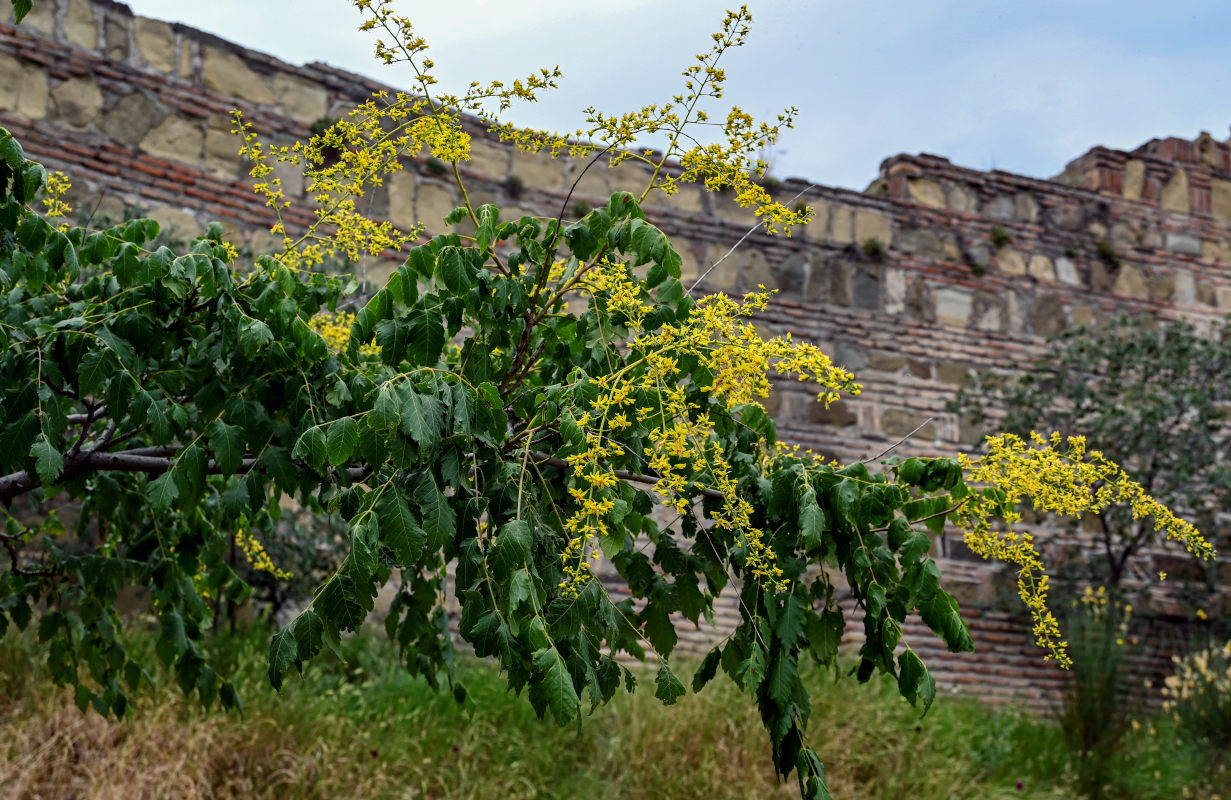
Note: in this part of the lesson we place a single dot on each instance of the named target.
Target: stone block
(1185, 288)
(230, 76)
(721, 271)
(77, 102)
(1097, 229)
(1026, 208)
(916, 368)
(1134, 179)
(895, 291)
(925, 191)
(727, 210)
(987, 313)
(132, 118)
(979, 254)
(897, 423)
(538, 169)
(963, 199)
(1124, 233)
(1175, 193)
(221, 151)
(1081, 314)
(1047, 317)
(1161, 287)
(175, 139)
(592, 183)
(919, 302)
(290, 175)
(176, 225)
(831, 282)
(1216, 250)
(873, 225)
(952, 251)
(1002, 208)
(841, 225)
(1041, 267)
(1066, 271)
(1220, 199)
(433, 202)
(865, 288)
(952, 372)
(953, 307)
(1184, 243)
(402, 199)
(156, 43)
(1130, 281)
(921, 241)
(42, 18)
(79, 24)
(631, 176)
(689, 270)
(754, 270)
(1010, 261)
(23, 88)
(818, 228)
(305, 100)
(885, 362)
(1152, 238)
(1066, 216)
(1206, 294)
(687, 200)
(838, 414)
(185, 59)
(794, 273)
(115, 36)
(850, 356)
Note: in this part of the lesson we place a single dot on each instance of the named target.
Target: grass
(365, 729)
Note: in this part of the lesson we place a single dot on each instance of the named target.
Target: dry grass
(365, 730)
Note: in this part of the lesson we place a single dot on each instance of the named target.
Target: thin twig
(625, 475)
(735, 246)
(888, 449)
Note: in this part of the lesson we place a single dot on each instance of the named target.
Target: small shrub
(1107, 252)
(514, 186)
(435, 166)
(1198, 696)
(874, 249)
(1093, 712)
(1000, 237)
(581, 208)
(1070, 251)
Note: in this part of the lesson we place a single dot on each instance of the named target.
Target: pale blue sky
(1020, 86)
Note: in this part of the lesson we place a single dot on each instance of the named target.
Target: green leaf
(48, 461)
(792, 618)
(437, 516)
(21, 8)
(282, 652)
(555, 686)
(709, 667)
(421, 416)
(343, 437)
(453, 270)
(914, 680)
(97, 366)
(162, 491)
(521, 588)
(384, 415)
(310, 448)
(398, 529)
(309, 631)
(811, 520)
(785, 687)
(659, 629)
(669, 688)
(513, 545)
(226, 442)
(427, 339)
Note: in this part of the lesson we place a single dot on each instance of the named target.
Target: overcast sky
(1019, 86)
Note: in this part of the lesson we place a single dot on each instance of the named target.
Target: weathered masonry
(933, 272)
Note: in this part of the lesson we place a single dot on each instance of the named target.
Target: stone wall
(935, 271)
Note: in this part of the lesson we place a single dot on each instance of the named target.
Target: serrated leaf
(789, 627)
(555, 685)
(309, 632)
(282, 651)
(521, 587)
(709, 667)
(398, 528)
(384, 415)
(421, 416)
(48, 461)
(427, 339)
(914, 680)
(310, 448)
(226, 442)
(97, 367)
(162, 491)
(342, 439)
(437, 517)
(668, 687)
(811, 520)
(785, 687)
(659, 629)
(513, 545)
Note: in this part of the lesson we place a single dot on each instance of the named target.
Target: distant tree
(1153, 397)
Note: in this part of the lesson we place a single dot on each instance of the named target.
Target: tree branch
(624, 475)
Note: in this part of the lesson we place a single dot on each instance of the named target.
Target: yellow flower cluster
(255, 552)
(684, 452)
(1058, 476)
(1201, 679)
(334, 327)
(53, 197)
